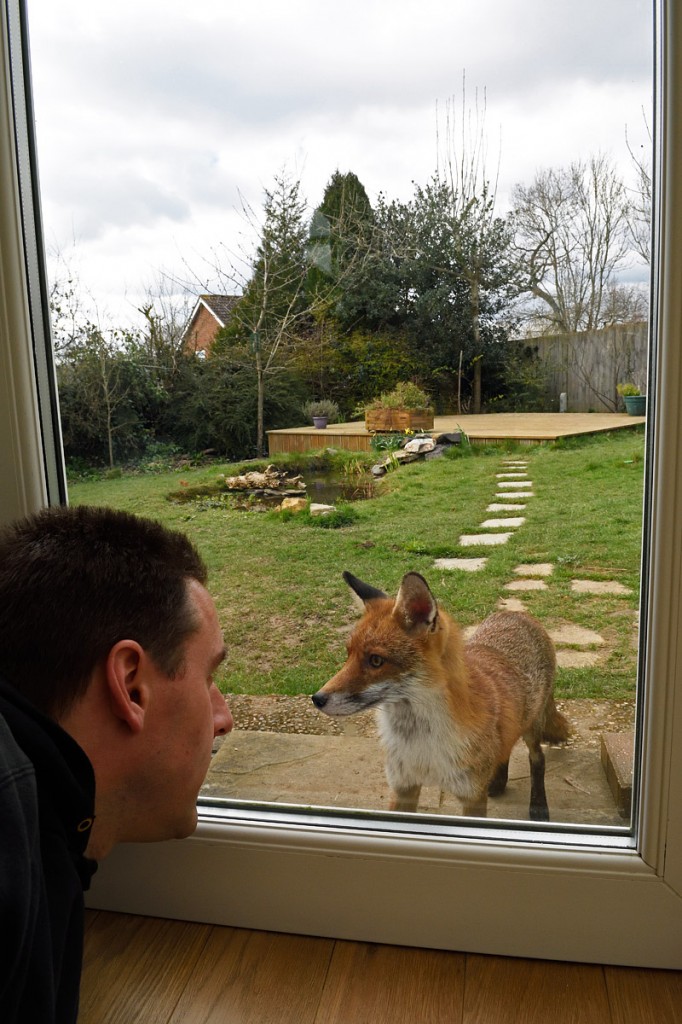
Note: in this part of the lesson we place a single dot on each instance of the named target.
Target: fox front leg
(405, 798)
(477, 808)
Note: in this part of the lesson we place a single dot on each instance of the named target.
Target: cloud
(155, 116)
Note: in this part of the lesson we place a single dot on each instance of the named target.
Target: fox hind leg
(539, 811)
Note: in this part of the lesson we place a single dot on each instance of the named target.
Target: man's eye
(376, 661)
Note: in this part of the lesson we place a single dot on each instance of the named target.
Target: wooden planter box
(381, 420)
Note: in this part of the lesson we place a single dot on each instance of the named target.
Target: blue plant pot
(635, 405)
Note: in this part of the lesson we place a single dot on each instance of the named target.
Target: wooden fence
(588, 366)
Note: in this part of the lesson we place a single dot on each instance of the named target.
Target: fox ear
(363, 590)
(415, 605)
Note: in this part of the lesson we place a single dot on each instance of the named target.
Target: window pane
(465, 197)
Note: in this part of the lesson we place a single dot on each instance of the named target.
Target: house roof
(219, 306)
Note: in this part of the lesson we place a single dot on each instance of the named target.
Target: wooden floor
(525, 428)
(150, 971)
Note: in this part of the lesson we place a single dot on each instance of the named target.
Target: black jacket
(47, 799)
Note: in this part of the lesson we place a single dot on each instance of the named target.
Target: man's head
(74, 581)
(106, 626)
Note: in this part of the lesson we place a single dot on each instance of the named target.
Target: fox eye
(376, 661)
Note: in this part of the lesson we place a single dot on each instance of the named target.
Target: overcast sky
(155, 116)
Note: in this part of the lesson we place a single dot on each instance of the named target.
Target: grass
(277, 580)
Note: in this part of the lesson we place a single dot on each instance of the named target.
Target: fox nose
(320, 699)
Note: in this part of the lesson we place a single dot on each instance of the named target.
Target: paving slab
(519, 485)
(465, 564)
(526, 585)
(494, 524)
(497, 506)
(511, 604)
(348, 772)
(578, 659)
(577, 635)
(514, 494)
(535, 569)
(599, 587)
(484, 539)
(512, 476)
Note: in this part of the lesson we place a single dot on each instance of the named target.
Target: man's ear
(128, 692)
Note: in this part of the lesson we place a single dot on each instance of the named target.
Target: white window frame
(566, 895)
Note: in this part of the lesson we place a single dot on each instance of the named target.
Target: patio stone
(494, 524)
(526, 585)
(535, 569)
(465, 564)
(502, 507)
(577, 659)
(511, 484)
(570, 634)
(599, 587)
(511, 604)
(515, 494)
(484, 539)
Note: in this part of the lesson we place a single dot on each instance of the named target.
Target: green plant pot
(635, 405)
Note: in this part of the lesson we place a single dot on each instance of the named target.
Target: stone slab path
(576, 647)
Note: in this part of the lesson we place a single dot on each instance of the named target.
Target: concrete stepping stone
(515, 494)
(526, 585)
(496, 506)
(578, 659)
(485, 539)
(495, 524)
(514, 484)
(535, 569)
(514, 462)
(511, 476)
(571, 634)
(465, 564)
(599, 587)
(511, 604)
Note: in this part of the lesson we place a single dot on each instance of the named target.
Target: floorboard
(247, 977)
(392, 985)
(647, 997)
(151, 971)
(136, 968)
(501, 990)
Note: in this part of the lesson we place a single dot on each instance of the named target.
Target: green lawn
(285, 608)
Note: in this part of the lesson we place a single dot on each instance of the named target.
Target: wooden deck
(523, 427)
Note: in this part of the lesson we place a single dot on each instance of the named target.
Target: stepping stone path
(513, 483)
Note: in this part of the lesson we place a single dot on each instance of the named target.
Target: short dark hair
(75, 581)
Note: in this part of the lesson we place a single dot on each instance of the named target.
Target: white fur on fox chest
(424, 745)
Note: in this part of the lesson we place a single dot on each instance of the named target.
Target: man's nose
(222, 716)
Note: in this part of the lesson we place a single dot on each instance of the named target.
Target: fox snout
(319, 699)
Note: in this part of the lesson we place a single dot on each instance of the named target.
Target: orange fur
(450, 712)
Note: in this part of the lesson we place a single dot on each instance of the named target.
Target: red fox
(449, 711)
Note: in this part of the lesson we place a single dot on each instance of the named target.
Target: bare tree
(572, 232)
(481, 239)
(640, 203)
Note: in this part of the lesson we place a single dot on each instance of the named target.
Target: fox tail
(556, 728)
